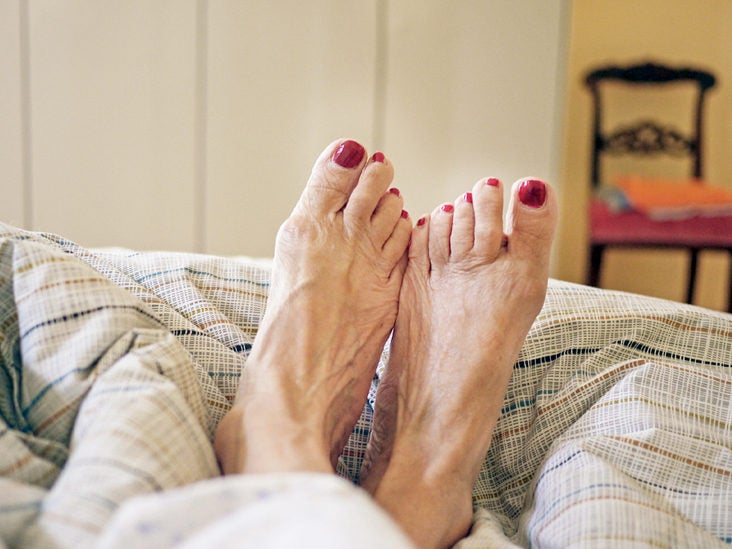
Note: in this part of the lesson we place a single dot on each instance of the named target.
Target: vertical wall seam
(560, 109)
(26, 116)
(380, 73)
(200, 128)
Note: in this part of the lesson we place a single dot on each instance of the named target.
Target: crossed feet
(460, 290)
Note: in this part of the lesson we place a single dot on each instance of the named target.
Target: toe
(396, 245)
(488, 207)
(333, 178)
(463, 227)
(531, 219)
(397, 273)
(386, 215)
(373, 183)
(440, 229)
(419, 244)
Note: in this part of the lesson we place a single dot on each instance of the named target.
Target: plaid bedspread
(115, 368)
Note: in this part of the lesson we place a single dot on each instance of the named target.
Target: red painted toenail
(421, 221)
(349, 154)
(405, 214)
(532, 193)
(394, 191)
(469, 198)
(493, 182)
(378, 157)
(447, 208)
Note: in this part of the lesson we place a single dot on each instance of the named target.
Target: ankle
(228, 442)
(260, 445)
(434, 512)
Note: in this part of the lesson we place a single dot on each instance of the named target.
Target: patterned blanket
(115, 368)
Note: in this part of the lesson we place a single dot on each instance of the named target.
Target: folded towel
(665, 198)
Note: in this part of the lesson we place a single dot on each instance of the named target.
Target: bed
(116, 366)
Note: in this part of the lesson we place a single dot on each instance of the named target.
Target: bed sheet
(115, 368)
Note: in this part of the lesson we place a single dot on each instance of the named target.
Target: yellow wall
(678, 32)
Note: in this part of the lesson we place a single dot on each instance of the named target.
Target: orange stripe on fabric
(655, 404)
(672, 455)
(611, 498)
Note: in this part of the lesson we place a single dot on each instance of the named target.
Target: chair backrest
(648, 137)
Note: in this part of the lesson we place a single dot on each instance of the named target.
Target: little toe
(395, 246)
(488, 207)
(419, 244)
(333, 178)
(439, 238)
(531, 220)
(375, 179)
(463, 227)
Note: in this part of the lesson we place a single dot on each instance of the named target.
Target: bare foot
(338, 266)
(469, 297)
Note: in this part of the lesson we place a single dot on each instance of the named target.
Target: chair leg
(693, 262)
(593, 276)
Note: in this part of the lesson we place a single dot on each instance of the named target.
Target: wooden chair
(648, 138)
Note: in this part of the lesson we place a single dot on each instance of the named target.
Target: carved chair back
(647, 137)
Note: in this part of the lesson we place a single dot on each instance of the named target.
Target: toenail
(378, 157)
(532, 193)
(493, 182)
(405, 214)
(349, 154)
(394, 191)
(421, 221)
(447, 208)
(468, 198)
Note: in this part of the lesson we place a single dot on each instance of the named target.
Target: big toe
(334, 176)
(531, 220)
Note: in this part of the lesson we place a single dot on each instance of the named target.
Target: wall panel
(284, 79)
(11, 137)
(472, 91)
(112, 96)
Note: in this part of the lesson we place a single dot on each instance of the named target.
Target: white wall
(11, 134)
(472, 91)
(192, 124)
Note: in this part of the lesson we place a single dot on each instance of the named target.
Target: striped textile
(115, 368)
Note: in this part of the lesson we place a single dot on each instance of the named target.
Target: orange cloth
(664, 198)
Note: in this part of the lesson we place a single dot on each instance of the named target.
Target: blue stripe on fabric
(558, 465)
(627, 343)
(51, 385)
(517, 405)
(556, 502)
(526, 403)
(18, 507)
(669, 488)
(189, 332)
(80, 314)
(551, 358)
(200, 273)
(648, 349)
(124, 466)
(238, 348)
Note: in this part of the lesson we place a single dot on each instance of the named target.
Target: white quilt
(116, 367)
